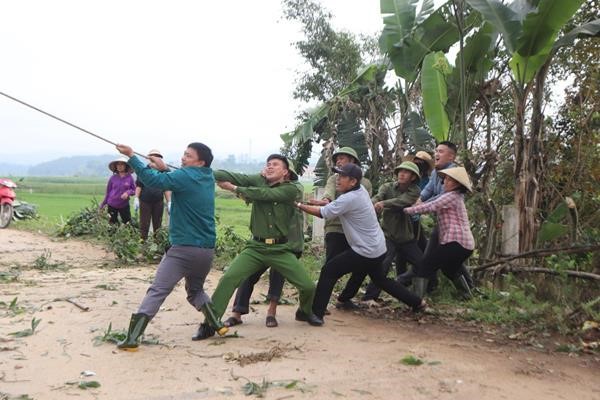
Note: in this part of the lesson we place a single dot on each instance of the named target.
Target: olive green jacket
(397, 226)
(334, 224)
(273, 210)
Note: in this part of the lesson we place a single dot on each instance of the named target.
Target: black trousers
(421, 242)
(351, 262)
(400, 252)
(432, 246)
(124, 212)
(335, 243)
(241, 304)
(150, 212)
(448, 257)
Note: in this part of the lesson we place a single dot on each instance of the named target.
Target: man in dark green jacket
(191, 232)
(272, 197)
(400, 242)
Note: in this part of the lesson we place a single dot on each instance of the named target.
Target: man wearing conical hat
(390, 200)
(335, 240)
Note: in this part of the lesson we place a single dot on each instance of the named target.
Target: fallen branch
(576, 274)
(540, 253)
(83, 308)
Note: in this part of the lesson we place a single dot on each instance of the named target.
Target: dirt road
(351, 357)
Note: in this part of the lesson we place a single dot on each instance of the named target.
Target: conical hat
(460, 175)
(113, 164)
(425, 156)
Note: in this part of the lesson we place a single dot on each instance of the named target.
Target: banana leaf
(435, 95)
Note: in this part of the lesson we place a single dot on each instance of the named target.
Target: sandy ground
(352, 356)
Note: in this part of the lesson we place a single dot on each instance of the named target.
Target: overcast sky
(153, 74)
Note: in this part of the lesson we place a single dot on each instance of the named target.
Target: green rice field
(59, 197)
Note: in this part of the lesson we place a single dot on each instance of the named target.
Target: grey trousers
(189, 262)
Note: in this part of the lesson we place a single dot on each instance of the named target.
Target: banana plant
(435, 94)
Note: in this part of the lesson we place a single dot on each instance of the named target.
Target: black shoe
(204, 332)
(312, 319)
(347, 305)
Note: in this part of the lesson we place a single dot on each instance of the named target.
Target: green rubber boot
(461, 284)
(212, 319)
(137, 325)
(419, 286)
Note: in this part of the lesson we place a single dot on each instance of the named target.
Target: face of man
(190, 158)
(443, 156)
(405, 177)
(275, 170)
(344, 183)
(343, 159)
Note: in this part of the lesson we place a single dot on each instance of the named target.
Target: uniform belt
(271, 240)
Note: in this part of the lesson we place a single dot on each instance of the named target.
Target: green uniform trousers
(255, 257)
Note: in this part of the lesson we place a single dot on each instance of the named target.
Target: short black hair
(204, 152)
(449, 145)
(279, 157)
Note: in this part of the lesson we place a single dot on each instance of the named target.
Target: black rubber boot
(461, 284)
(137, 325)
(204, 332)
(419, 286)
(212, 319)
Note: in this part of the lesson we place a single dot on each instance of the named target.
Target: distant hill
(73, 166)
(7, 169)
(94, 166)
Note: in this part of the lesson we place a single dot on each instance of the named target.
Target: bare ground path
(351, 357)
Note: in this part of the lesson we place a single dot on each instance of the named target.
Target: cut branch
(540, 253)
(576, 274)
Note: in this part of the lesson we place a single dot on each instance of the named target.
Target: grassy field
(59, 197)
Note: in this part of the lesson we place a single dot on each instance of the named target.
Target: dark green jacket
(192, 221)
(397, 226)
(272, 206)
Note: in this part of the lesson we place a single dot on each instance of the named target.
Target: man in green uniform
(335, 240)
(272, 197)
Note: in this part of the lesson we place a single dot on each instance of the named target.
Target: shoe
(204, 332)
(312, 319)
(347, 305)
(137, 325)
(211, 318)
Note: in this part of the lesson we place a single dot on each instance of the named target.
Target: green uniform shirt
(192, 221)
(334, 224)
(272, 206)
(397, 225)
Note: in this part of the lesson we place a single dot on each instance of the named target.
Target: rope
(73, 125)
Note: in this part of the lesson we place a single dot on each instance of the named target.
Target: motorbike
(7, 197)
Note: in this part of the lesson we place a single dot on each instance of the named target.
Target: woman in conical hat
(118, 190)
(456, 239)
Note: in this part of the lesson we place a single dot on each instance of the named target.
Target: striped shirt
(452, 217)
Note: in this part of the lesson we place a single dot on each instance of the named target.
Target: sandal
(232, 321)
(271, 322)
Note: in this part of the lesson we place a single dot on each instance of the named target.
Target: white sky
(153, 74)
